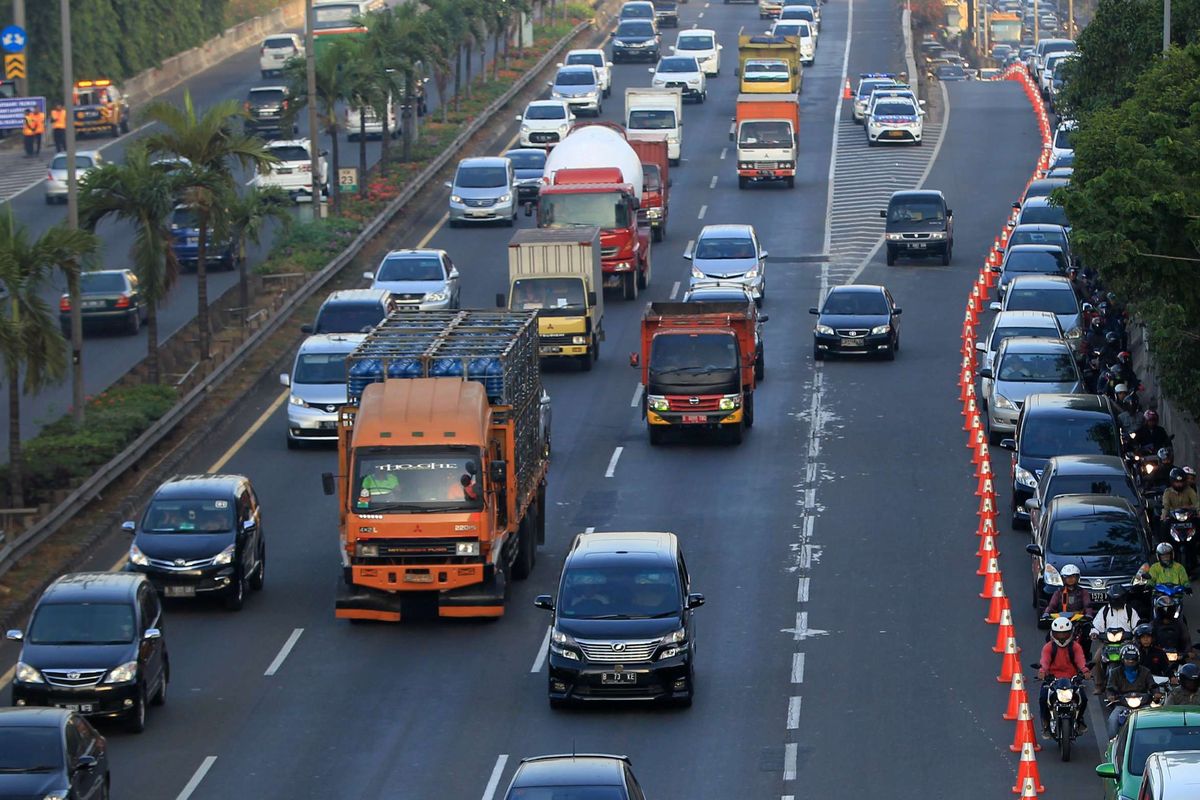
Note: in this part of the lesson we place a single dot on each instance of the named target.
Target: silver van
(318, 387)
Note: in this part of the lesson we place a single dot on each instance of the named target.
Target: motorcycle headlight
(578, 340)
(729, 402)
(880, 329)
(1172, 656)
(1065, 695)
(1180, 515)
(657, 403)
(1025, 477)
(441, 295)
(225, 556)
(136, 556)
(296, 401)
(27, 674)
(123, 674)
(1133, 702)
(1003, 402)
(824, 330)
(455, 198)
(1051, 577)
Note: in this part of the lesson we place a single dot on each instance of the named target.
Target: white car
(365, 120)
(887, 92)
(682, 72)
(545, 123)
(1007, 324)
(579, 87)
(56, 180)
(1052, 63)
(1061, 144)
(868, 82)
(806, 13)
(701, 44)
(293, 172)
(275, 51)
(801, 30)
(596, 59)
(895, 119)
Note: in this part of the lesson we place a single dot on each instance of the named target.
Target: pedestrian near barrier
(29, 131)
(58, 127)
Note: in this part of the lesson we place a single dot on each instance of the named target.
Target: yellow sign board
(14, 65)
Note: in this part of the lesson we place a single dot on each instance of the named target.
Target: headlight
(729, 402)
(524, 128)
(1051, 577)
(564, 128)
(296, 401)
(466, 549)
(675, 637)
(1075, 333)
(1133, 702)
(1003, 402)
(824, 330)
(455, 198)
(439, 296)
(560, 644)
(937, 235)
(57, 794)
(505, 198)
(136, 556)
(1065, 695)
(895, 237)
(696, 273)
(578, 340)
(752, 273)
(367, 550)
(1025, 477)
(27, 674)
(225, 556)
(1180, 515)
(878, 329)
(123, 674)
(1172, 655)
(656, 403)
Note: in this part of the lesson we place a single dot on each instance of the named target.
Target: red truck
(593, 177)
(700, 363)
(656, 176)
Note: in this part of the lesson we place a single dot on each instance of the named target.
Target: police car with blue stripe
(868, 82)
(894, 117)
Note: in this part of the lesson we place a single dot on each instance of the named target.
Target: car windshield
(591, 59)
(855, 303)
(619, 591)
(795, 12)
(24, 748)
(635, 28)
(324, 368)
(1037, 237)
(547, 293)
(694, 43)
(678, 65)
(1147, 741)
(1000, 334)
(576, 77)
(1102, 534)
(191, 516)
(916, 211)
(183, 217)
(266, 96)
(82, 623)
(637, 11)
(279, 43)
(481, 177)
(652, 119)
(348, 317)
(1046, 436)
(101, 282)
(706, 296)
(546, 112)
(950, 71)
(1037, 367)
(710, 247)
(1042, 261)
(1084, 484)
(895, 110)
(790, 29)
(766, 71)
(81, 162)
(674, 353)
(867, 87)
(410, 268)
(1043, 187)
(601, 209)
(529, 159)
(1056, 301)
(1062, 139)
(566, 793)
(766, 134)
(1044, 215)
(289, 152)
(416, 479)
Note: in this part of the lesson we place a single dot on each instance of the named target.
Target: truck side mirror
(498, 471)
(883, 213)
(328, 484)
(635, 360)
(591, 298)
(499, 300)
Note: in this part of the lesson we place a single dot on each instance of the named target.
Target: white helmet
(1069, 570)
(1060, 626)
(1121, 388)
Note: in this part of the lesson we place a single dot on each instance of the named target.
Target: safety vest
(30, 127)
(39, 122)
(58, 119)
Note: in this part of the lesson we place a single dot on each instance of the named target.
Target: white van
(1044, 48)
(1171, 775)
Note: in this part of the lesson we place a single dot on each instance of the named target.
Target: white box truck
(649, 113)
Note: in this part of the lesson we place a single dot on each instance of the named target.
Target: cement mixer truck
(593, 177)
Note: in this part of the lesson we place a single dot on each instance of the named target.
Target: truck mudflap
(485, 599)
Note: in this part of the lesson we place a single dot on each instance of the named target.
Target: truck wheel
(673, 161)
(629, 286)
(656, 234)
(657, 435)
(735, 433)
(595, 348)
(125, 125)
(743, 182)
(790, 181)
(643, 278)
(526, 555)
(585, 363)
(760, 367)
(891, 256)
(748, 410)
(541, 518)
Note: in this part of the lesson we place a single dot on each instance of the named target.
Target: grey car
(730, 254)
(1008, 324)
(1026, 365)
(318, 384)
(1052, 293)
(484, 189)
(418, 279)
(56, 178)
(578, 85)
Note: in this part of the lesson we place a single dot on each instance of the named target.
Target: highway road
(842, 651)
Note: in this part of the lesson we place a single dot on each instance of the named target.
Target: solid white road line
(837, 124)
(703, 211)
(713, 183)
(540, 661)
(700, 15)
(791, 752)
(493, 782)
(674, 290)
(637, 395)
(797, 667)
(283, 652)
(612, 462)
(793, 717)
(197, 776)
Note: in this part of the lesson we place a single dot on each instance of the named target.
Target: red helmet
(1123, 356)
(1151, 415)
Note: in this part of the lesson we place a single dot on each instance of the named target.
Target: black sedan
(106, 297)
(529, 164)
(596, 777)
(51, 752)
(857, 320)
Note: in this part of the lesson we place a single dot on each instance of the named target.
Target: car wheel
(453, 223)
(890, 354)
(136, 719)
(559, 704)
(946, 255)
(235, 599)
(509, 222)
(686, 700)
(292, 444)
(656, 234)
(259, 579)
(160, 697)
(49, 200)
(134, 323)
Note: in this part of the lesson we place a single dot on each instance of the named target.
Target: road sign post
(347, 180)
(12, 110)
(12, 42)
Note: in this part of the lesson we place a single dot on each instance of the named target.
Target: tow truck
(100, 108)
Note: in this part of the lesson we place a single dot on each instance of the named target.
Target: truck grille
(618, 652)
(608, 252)
(677, 403)
(73, 678)
(766, 165)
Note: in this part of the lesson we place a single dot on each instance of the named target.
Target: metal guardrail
(75, 502)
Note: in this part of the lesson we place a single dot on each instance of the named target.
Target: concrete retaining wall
(1187, 433)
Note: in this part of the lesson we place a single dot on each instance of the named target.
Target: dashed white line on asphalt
(612, 462)
(713, 183)
(687, 251)
(674, 290)
(797, 667)
(494, 781)
(283, 652)
(637, 394)
(793, 717)
(802, 590)
(700, 15)
(197, 776)
(703, 211)
(791, 752)
(540, 661)
(724, 151)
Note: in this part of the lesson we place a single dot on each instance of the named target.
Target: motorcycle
(1182, 530)
(1064, 702)
(1129, 702)
(1110, 652)
(1082, 628)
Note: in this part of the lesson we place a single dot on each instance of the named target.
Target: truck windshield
(651, 179)
(652, 119)
(765, 134)
(674, 353)
(619, 592)
(416, 480)
(538, 294)
(601, 209)
(766, 71)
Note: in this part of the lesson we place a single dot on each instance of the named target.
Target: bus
(338, 18)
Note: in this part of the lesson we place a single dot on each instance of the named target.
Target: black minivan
(622, 621)
(919, 225)
(95, 646)
(201, 535)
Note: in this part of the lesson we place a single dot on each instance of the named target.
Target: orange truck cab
(100, 108)
(441, 481)
(698, 367)
(767, 132)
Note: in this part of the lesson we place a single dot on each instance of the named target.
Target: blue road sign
(12, 110)
(12, 39)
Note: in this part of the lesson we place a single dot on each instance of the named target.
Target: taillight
(64, 304)
(49, 176)
(123, 301)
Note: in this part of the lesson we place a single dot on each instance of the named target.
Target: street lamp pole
(18, 12)
(73, 293)
(1166, 26)
(314, 139)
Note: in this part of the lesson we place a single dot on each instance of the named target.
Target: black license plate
(618, 678)
(82, 708)
(328, 424)
(179, 591)
(917, 245)
(1099, 596)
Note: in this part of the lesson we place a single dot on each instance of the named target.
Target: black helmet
(1117, 596)
(1189, 677)
(1177, 474)
(1111, 337)
(1130, 653)
(1097, 323)
(1145, 629)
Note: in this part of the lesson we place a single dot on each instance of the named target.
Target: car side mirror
(249, 525)
(1032, 504)
(544, 602)
(1033, 550)
(981, 347)
(1008, 444)
(498, 471)
(883, 213)
(559, 64)
(306, 328)
(368, 275)
(151, 633)
(323, 153)
(328, 483)
(608, 64)
(591, 298)
(650, 70)
(518, 118)
(85, 763)
(549, 83)
(695, 600)
(897, 312)
(994, 306)
(814, 310)
(129, 526)
(985, 372)
(764, 317)
(1108, 771)
(500, 300)
(15, 635)
(285, 379)
(764, 255)
(448, 184)
(687, 256)
(453, 273)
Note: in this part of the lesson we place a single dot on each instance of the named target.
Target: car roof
(588, 68)
(92, 586)
(1025, 318)
(680, 58)
(356, 296)
(564, 770)
(1035, 344)
(1086, 505)
(196, 486)
(708, 31)
(288, 143)
(108, 272)
(331, 342)
(1092, 464)
(609, 546)
(1031, 247)
(272, 88)
(857, 288)
(92, 153)
(418, 252)
(916, 194)
(589, 51)
(544, 103)
(497, 161)
(33, 717)
(728, 229)
(523, 151)
(1054, 402)
(1055, 282)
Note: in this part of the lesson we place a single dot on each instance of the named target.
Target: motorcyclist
(1128, 677)
(1160, 477)
(1094, 338)
(1191, 478)
(1062, 657)
(1187, 693)
(1165, 569)
(1154, 657)
(1170, 631)
(1117, 613)
(1124, 366)
(1150, 436)
(1126, 414)
(1070, 597)
(1178, 494)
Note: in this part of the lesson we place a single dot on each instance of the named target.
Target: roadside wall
(1187, 432)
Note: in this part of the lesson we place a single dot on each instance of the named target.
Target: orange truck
(767, 132)
(700, 363)
(442, 461)
(656, 183)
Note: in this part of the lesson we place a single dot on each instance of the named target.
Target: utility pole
(68, 80)
(1037, 28)
(1070, 19)
(1166, 26)
(19, 20)
(314, 141)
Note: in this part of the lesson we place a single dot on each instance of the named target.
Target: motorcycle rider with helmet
(1117, 613)
(1150, 436)
(1070, 597)
(1128, 677)
(1160, 477)
(1187, 693)
(1178, 494)
(1062, 657)
(1170, 630)
(1127, 413)
(1154, 657)
(1165, 569)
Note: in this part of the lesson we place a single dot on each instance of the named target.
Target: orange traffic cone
(1029, 790)
(1027, 772)
(847, 92)
(987, 551)
(1011, 664)
(998, 602)
(990, 578)
(1024, 734)
(1005, 631)
(984, 474)
(1016, 696)
(971, 413)
(981, 452)
(987, 527)
(989, 277)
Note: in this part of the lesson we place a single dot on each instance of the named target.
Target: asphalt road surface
(842, 651)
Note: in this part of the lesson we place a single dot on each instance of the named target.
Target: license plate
(895, 134)
(853, 343)
(180, 591)
(694, 419)
(479, 213)
(410, 577)
(328, 424)
(766, 172)
(618, 678)
(93, 304)
(409, 307)
(82, 708)
(917, 245)
(283, 171)
(1099, 597)
(279, 56)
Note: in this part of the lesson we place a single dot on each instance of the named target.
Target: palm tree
(381, 47)
(445, 53)
(142, 193)
(413, 41)
(328, 63)
(30, 342)
(211, 142)
(246, 217)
